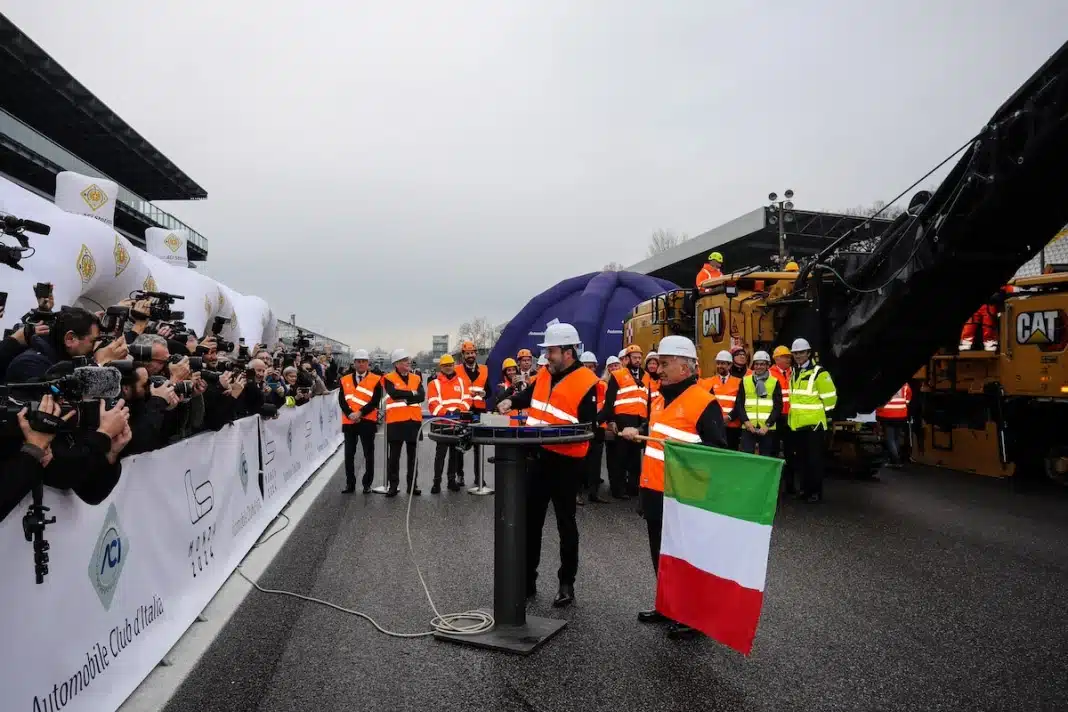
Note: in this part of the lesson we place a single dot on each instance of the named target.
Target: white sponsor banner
(129, 576)
(86, 195)
(169, 246)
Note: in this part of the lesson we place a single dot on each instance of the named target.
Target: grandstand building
(50, 122)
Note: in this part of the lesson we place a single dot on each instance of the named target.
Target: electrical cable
(481, 621)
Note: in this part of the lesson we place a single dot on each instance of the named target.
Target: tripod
(33, 526)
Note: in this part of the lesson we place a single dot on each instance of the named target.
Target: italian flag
(718, 510)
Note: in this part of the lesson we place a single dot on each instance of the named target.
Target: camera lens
(196, 363)
(140, 352)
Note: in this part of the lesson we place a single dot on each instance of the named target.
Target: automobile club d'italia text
(100, 657)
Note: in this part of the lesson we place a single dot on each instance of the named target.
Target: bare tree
(879, 208)
(613, 267)
(480, 331)
(663, 240)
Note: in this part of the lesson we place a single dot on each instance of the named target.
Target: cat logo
(85, 264)
(122, 256)
(150, 284)
(712, 322)
(94, 197)
(172, 241)
(1044, 329)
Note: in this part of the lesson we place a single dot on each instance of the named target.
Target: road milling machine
(876, 309)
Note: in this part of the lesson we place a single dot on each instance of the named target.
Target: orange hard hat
(524, 352)
(781, 351)
(633, 349)
(468, 346)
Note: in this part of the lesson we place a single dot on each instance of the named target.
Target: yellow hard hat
(446, 360)
(791, 266)
(716, 257)
(780, 351)
(509, 363)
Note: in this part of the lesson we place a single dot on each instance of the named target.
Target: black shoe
(565, 596)
(580, 500)
(349, 489)
(678, 631)
(436, 489)
(594, 497)
(621, 495)
(367, 489)
(460, 484)
(454, 486)
(415, 493)
(814, 498)
(393, 492)
(653, 616)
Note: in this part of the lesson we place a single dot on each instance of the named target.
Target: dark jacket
(34, 361)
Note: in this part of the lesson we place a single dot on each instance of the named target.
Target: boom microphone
(83, 383)
(12, 223)
(97, 382)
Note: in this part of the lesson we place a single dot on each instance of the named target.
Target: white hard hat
(762, 356)
(398, 355)
(653, 354)
(561, 335)
(543, 360)
(588, 357)
(801, 345)
(361, 355)
(622, 353)
(612, 360)
(721, 356)
(677, 346)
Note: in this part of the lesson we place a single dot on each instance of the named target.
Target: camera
(183, 389)
(160, 309)
(17, 228)
(211, 377)
(114, 320)
(217, 326)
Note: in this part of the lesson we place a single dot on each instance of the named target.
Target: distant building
(440, 345)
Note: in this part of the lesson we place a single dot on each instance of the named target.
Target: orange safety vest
(898, 407)
(631, 399)
(707, 272)
(359, 395)
(400, 411)
(652, 384)
(783, 377)
(726, 394)
(477, 387)
(444, 394)
(679, 422)
(559, 405)
(516, 417)
(602, 393)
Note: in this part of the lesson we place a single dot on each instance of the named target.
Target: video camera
(217, 326)
(17, 228)
(160, 309)
(302, 342)
(85, 384)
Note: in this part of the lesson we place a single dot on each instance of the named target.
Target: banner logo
(289, 437)
(122, 256)
(172, 241)
(85, 264)
(1044, 329)
(222, 299)
(108, 558)
(94, 197)
(712, 322)
(242, 470)
(207, 306)
(201, 498)
(150, 284)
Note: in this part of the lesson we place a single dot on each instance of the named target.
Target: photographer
(313, 379)
(17, 342)
(253, 394)
(74, 334)
(24, 468)
(148, 404)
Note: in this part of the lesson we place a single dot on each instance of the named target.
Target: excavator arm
(878, 311)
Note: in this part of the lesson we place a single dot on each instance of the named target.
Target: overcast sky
(387, 170)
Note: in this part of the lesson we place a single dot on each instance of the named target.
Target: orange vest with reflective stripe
(602, 393)
(726, 394)
(783, 377)
(898, 407)
(707, 272)
(444, 394)
(359, 395)
(559, 405)
(477, 387)
(652, 384)
(677, 421)
(399, 411)
(631, 399)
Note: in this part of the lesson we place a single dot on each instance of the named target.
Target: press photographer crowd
(80, 389)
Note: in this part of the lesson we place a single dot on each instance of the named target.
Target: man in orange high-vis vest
(404, 417)
(564, 393)
(476, 378)
(447, 395)
(894, 418)
(725, 387)
(626, 405)
(781, 370)
(359, 395)
(651, 379)
(694, 416)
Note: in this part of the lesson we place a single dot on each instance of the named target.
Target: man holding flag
(682, 411)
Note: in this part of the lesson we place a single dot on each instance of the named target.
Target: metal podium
(514, 630)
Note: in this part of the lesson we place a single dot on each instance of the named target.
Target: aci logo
(242, 470)
(289, 437)
(109, 555)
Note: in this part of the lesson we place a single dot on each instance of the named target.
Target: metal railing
(48, 149)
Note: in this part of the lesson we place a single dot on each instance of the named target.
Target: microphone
(98, 382)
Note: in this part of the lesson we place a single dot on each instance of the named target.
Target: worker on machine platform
(894, 417)
(359, 395)
(984, 324)
(651, 379)
(759, 407)
(476, 379)
(725, 387)
(564, 393)
(592, 482)
(626, 405)
(812, 397)
(404, 417)
(711, 269)
(693, 416)
(447, 395)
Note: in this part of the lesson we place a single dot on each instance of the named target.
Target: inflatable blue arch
(595, 303)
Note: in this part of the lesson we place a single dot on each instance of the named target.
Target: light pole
(781, 214)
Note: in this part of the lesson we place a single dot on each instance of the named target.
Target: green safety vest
(812, 394)
(758, 409)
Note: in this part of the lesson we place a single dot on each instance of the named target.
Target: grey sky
(388, 170)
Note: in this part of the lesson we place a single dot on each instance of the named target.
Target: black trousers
(653, 511)
(455, 458)
(766, 443)
(786, 439)
(393, 454)
(553, 478)
(477, 450)
(810, 449)
(364, 434)
(593, 464)
(734, 438)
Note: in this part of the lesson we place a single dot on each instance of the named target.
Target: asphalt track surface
(926, 591)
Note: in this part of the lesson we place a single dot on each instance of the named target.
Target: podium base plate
(483, 490)
(520, 639)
